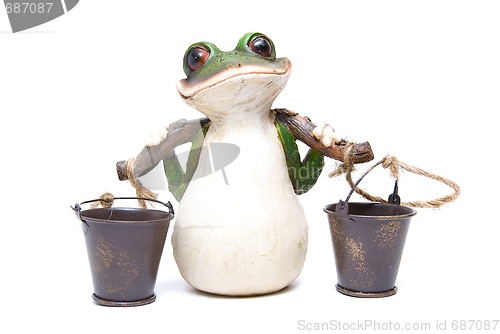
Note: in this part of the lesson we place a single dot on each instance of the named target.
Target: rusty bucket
(124, 247)
(368, 241)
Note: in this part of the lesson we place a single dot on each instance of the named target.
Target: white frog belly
(248, 236)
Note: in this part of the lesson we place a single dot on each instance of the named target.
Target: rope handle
(143, 194)
(394, 165)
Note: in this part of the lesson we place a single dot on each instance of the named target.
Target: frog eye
(196, 57)
(262, 46)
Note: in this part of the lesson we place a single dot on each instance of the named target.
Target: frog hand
(326, 134)
(178, 133)
(302, 129)
(155, 137)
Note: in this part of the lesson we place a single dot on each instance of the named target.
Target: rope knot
(346, 166)
(341, 169)
(393, 164)
(106, 201)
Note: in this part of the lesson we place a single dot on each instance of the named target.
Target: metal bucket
(124, 247)
(368, 241)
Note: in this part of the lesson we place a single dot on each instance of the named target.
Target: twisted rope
(106, 200)
(394, 165)
(139, 188)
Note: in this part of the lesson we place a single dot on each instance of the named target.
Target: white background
(418, 79)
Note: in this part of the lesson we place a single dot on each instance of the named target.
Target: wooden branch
(183, 131)
(302, 128)
(179, 132)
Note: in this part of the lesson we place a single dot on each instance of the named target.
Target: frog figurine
(245, 233)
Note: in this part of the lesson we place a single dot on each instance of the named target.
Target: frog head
(224, 83)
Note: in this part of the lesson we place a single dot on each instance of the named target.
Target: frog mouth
(189, 89)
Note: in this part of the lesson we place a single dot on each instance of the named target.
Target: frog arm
(178, 133)
(177, 178)
(303, 173)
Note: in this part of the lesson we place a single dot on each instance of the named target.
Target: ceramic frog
(254, 61)
(245, 233)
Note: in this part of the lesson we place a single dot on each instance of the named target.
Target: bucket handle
(343, 206)
(78, 206)
(393, 198)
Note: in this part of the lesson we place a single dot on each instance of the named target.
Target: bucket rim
(77, 208)
(168, 216)
(411, 212)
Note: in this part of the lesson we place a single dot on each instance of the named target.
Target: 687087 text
(28, 7)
